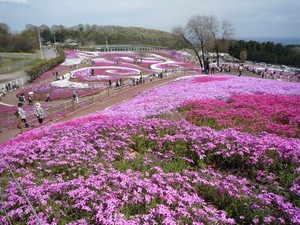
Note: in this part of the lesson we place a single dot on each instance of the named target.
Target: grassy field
(11, 62)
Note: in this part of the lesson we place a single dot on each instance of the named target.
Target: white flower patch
(97, 60)
(100, 77)
(168, 63)
(87, 54)
(69, 62)
(184, 53)
(159, 57)
(127, 58)
(68, 84)
(120, 72)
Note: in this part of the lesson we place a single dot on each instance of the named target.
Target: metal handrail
(24, 195)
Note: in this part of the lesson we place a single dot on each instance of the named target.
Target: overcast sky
(253, 18)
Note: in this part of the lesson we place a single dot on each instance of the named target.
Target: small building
(70, 42)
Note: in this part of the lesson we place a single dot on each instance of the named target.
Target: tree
(243, 55)
(4, 28)
(202, 29)
(198, 32)
(180, 31)
(46, 33)
(226, 35)
(221, 33)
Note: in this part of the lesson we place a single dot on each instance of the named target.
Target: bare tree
(227, 32)
(201, 30)
(213, 26)
(221, 33)
(180, 31)
(198, 32)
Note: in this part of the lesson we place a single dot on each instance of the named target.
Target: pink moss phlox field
(107, 66)
(56, 93)
(8, 120)
(49, 74)
(250, 113)
(205, 79)
(7, 111)
(83, 174)
(124, 166)
(164, 99)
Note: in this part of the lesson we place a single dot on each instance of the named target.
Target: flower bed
(107, 66)
(57, 93)
(164, 99)
(131, 171)
(141, 162)
(249, 113)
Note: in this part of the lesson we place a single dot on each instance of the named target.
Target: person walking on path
(22, 115)
(39, 112)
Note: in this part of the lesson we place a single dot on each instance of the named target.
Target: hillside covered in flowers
(216, 149)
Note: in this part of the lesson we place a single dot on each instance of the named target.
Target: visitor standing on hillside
(21, 114)
(48, 98)
(240, 69)
(30, 100)
(39, 112)
(22, 98)
(206, 66)
(213, 67)
(75, 96)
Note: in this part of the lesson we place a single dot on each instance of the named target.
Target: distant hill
(114, 35)
(276, 40)
(134, 35)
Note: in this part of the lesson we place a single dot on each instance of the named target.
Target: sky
(254, 18)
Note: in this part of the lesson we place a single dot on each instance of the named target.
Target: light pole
(54, 41)
(40, 44)
(106, 43)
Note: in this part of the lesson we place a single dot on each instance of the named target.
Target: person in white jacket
(213, 67)
(22, 114)
(39, 112)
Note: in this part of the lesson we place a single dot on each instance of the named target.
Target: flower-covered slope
(76, 71)
(122, 166)
(165, 98)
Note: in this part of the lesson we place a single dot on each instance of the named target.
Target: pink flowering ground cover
(56, 93)
(7, 118)
(249, 113)
(6, 111)
(49, 74)
(174, 55)
(107, 66)
(135, 163)
(167, 98)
